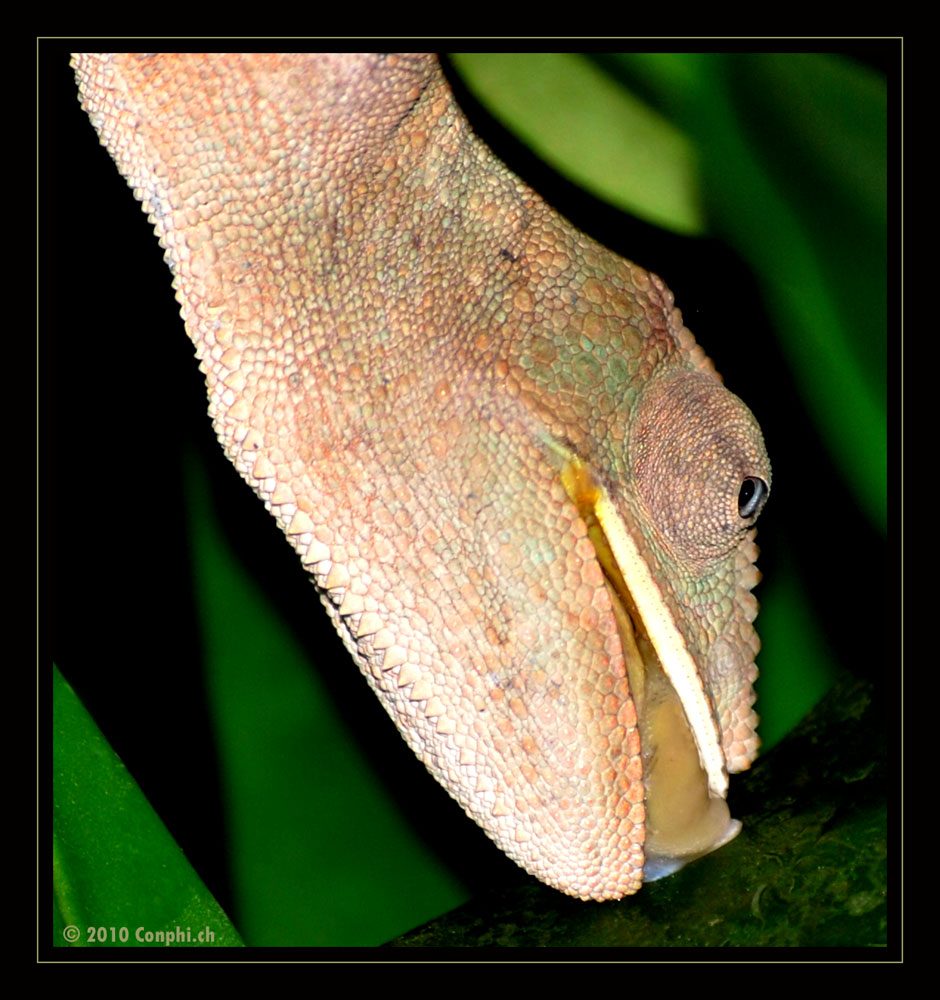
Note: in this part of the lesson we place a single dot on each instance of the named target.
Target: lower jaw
(684, 820)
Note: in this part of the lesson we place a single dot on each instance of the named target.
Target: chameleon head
(677, 556)
(524, 495)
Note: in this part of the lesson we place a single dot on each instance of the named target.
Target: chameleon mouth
(686, 813)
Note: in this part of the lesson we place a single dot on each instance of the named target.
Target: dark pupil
(750, 496)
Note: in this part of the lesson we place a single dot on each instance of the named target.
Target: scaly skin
(476, 426)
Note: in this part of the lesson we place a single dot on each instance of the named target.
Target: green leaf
(319, 848)
(119, 878)
(592, 130)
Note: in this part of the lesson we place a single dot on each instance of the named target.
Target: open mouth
(683, 772)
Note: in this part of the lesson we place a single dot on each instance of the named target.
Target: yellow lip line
(667, 640)
(660, 625)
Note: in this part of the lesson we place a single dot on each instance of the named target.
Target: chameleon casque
(525, 497)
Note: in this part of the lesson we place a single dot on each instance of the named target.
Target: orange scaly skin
(406, 354)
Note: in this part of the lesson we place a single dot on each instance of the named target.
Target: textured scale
(405, 349)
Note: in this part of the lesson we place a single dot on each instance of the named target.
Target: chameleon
(522, 491)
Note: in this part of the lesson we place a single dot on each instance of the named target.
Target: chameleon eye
(751, 496)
